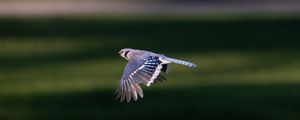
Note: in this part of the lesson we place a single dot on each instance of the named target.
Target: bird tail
(189, 64)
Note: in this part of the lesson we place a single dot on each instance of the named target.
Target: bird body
(143, 67)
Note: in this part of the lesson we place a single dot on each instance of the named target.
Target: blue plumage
(143, 67)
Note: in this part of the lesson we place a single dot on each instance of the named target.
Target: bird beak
(119, 52)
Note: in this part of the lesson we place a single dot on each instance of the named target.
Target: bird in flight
(143, 67)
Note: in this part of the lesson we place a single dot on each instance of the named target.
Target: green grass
(224, 68)
(69, 68)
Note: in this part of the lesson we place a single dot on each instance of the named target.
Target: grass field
(68, 68)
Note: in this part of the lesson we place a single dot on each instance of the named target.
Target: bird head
(125, 53)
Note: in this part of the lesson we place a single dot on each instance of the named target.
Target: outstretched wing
(136, 72)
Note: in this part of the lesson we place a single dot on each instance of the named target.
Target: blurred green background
(67, 68)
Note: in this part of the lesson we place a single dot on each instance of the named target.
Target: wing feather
(128, 91)
(122, 91)
(136, 72)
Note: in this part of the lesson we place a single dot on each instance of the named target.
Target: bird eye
(126, 53)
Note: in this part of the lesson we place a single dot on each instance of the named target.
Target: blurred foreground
(33, 8)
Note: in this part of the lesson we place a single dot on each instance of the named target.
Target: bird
(143, 67)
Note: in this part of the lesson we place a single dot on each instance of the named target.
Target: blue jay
(143, 67)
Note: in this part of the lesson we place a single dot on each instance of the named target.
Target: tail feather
(181, 62)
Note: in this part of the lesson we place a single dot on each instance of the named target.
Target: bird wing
(136, 72)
